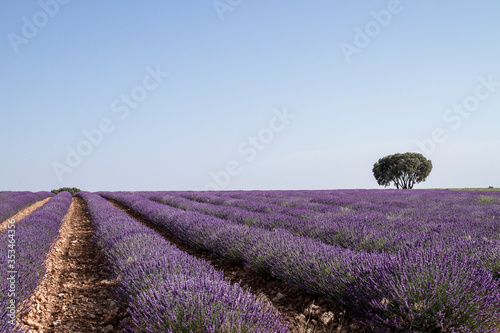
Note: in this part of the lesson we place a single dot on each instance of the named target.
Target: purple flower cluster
(5, 195)
(12, 202)
(432, 286)
(168, 290)
(23, 250)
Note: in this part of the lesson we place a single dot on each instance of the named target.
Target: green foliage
(72, 190)
(404, 170)
(487, 199)
(482, 189)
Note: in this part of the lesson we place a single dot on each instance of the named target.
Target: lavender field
(424, 261)
(397, 261)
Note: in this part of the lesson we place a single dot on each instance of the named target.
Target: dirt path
(75, 295)
(23, 213)
(306, 313)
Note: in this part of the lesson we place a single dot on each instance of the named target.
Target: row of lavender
(416, 290)
(23, 249)
(421, 205)
(410, 218)
(416, 218)
(6, 195)
(336, 228)
(468, 226)
(166, 289)
(12, 202)
(417, 205)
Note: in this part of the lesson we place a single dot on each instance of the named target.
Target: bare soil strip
(23, 213)
(306, 313)
(75, 294)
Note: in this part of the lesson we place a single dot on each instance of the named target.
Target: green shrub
(72, 190)
(487, 199)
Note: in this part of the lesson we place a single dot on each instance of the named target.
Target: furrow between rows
(304, 312)
(22, 214)
(416, 289)
(167, 290)
(24, 247)
(75, 295)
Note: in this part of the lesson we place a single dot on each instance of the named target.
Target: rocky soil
(306, 313)
(75, 295)
(23, 213)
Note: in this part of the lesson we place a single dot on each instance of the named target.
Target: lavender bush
(18, 200)
(420, 288)
(6, 195)
(23, 249)
(166, 289)
(362, 220)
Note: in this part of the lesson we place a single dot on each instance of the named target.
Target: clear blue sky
(186, 94)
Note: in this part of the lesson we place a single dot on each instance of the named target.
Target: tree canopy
(404, 170)
(72, 190)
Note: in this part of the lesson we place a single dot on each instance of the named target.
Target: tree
(403, 169)
(72, 190)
